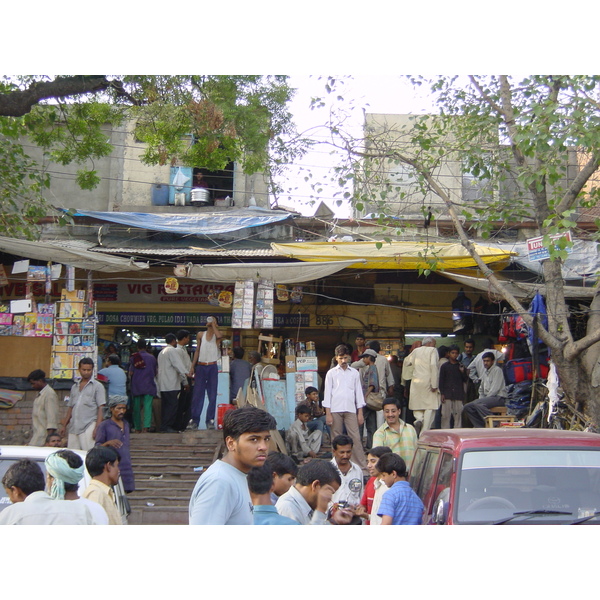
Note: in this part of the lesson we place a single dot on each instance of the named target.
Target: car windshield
(547, 485)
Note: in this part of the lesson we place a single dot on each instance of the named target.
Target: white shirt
(185, 357)
(380, 490)
(476, 367)
(98, 513)
(40, 509)
(171, 370)
(343, 391)
(293, 505)
(351, 489)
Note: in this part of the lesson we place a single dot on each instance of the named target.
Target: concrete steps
(163, 465)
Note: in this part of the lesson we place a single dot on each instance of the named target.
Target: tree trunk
(591, 362)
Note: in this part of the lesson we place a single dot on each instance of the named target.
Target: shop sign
(148, 293)
(18, 289)
(306, 363)
(133, 319)
(139, 319)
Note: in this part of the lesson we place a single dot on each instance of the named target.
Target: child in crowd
(284, 473)
(317, 412)
(399, 505)
(374, 489)
(302, 443)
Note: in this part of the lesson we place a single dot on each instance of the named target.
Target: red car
(508, 475)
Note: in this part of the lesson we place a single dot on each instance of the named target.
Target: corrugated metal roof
(237, 252)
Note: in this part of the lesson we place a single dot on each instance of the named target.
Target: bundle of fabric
(8, 398)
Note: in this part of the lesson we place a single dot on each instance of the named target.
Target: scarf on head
(62, 473)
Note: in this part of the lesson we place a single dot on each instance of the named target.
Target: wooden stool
(499, 416)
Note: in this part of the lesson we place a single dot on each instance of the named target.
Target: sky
(375, 94)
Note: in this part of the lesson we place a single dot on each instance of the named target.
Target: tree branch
(579, 182)
(20, 102)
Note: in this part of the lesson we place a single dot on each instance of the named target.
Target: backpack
(138, 361)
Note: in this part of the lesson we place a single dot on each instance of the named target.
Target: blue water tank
(160, 194)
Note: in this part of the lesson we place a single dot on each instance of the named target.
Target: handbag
(374, 400)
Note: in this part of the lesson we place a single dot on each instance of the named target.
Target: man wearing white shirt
(343, 402)
(476, 367)
(172, 375)
(307, 502)
(492, 392)
(24, 484)
(351, 475)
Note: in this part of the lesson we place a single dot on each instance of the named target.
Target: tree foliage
(532, 145)
(194, 120)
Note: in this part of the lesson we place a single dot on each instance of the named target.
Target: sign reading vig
(133, 319)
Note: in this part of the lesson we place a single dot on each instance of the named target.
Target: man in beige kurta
(424, 397)
(45, 408)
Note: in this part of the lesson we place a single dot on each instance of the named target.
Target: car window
(428, 471)
(444, 475)
(416, 470)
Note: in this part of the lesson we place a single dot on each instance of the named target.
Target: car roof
(33, 452)
(498, 437)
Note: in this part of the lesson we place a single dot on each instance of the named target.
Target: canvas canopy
(277, 272)
(519, 289)
(75, 253)
(395, 255)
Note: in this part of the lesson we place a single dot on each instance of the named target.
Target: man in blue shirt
(261, 484)
(399, 505)
(221, 495)
(116, 376)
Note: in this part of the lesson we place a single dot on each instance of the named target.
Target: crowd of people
(365, 397)
(372, 410)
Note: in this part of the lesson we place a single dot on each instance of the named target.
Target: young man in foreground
(24, 484)
(307, 502)
(221, 495)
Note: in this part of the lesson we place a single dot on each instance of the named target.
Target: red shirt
(368, 496)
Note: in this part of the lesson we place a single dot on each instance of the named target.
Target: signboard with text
(537, 251)
(133, 319)
(199, 292)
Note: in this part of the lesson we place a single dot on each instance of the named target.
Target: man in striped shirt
(397, 435)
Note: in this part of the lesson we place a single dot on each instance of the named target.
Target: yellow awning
(395, 255)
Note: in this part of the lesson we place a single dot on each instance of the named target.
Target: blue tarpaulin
(205, 223)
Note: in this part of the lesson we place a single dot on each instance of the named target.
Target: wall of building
(125, 181)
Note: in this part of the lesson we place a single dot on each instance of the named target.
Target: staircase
(163, 466)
